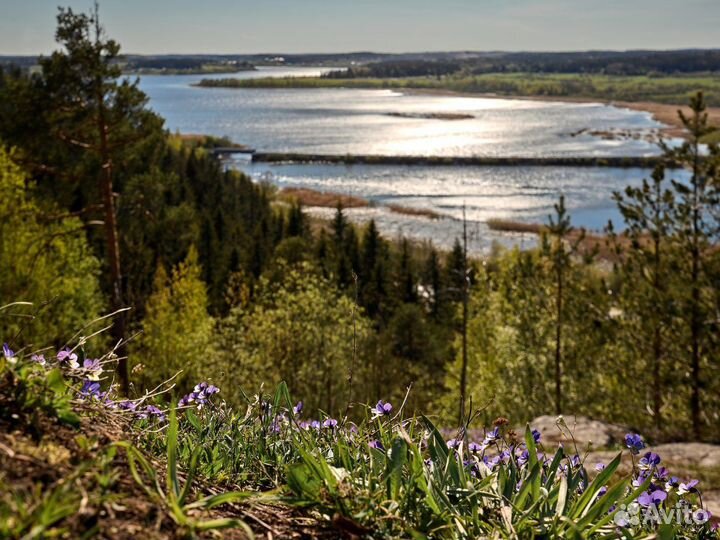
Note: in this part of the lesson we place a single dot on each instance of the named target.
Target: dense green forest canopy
(597, 62)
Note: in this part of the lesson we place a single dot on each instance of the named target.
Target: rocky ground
(600, 442)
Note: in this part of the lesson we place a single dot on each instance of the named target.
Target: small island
(432, 116)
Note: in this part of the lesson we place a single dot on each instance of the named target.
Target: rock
(586, 432)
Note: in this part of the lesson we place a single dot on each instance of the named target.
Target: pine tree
(558, 253)
(295, 225)
(647, 272)
(101, 116)
(433, 285)
(696, 226)
(405, 282)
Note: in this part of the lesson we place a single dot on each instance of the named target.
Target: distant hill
(365, 63)
(591, 62)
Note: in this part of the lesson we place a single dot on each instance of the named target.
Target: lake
(342, 121)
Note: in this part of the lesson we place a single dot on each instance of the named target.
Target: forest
(126, 242)
(591, 62)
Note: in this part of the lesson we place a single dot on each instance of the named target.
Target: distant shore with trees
(661, 96)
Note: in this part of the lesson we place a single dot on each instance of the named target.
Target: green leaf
(55, 381)
(590, 493)
(527, 487)
(193, 419)
(172, 438)
(192, 468)
(398, 458)
(304, 483)
(562, 497)
(68, 417)
(226, 523)
(533, 461)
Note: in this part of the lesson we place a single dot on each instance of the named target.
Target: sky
(304, 26)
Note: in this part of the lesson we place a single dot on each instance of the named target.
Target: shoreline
(661, 112)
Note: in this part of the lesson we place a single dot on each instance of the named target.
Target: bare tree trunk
(465, 291)
(558, 342)
(695, 316)
(657, 341)
(112, 245)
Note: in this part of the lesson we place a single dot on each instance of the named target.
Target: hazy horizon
(401, 26)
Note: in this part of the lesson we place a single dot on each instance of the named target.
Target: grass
(674, 90)
(311, 197)
(417, 212)
(507, 225)
(126, 468)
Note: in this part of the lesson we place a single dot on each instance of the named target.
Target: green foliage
(301, 330)
(30, 390)
(177, 330)
(173, 497)
(388, 476)
(45, 259)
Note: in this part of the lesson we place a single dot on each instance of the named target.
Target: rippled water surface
(340, 121)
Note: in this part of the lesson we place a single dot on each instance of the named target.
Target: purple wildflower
(279, 422)
(151, 411)
(382, 409)
(653, 498)
(39, 359)
(201, 396)
(476, 448)
(661, 474)
(453, 443)
(492, 436)
(66, 355)
(377, 445)
(93, 367)
(330, 423)
(91, 389)
(8, 353)
(673, 482)
(315, 424)
(600, 467)
(492, 462)
(634, 442)
(703, 515)
(688, 487)
(536, 435)
(640, 480)
(128, 405)
(297, 409)
(205, 389)
(649, 461)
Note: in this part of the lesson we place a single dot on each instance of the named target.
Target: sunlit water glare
(351, 121)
